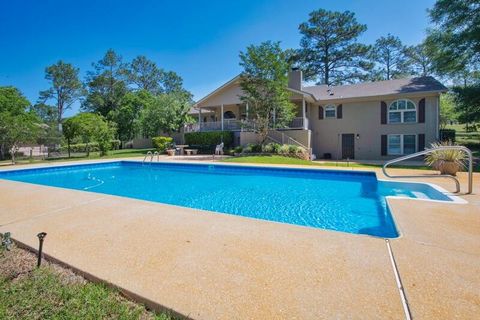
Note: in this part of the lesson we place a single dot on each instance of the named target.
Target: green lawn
(125, 153)
(274, 159)
(51, 292)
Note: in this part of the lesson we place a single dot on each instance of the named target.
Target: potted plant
(446, 161)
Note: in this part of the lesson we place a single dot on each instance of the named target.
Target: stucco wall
(363, 118)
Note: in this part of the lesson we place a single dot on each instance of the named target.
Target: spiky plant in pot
(446, 161)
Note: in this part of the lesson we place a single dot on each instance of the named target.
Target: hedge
(210, 139)
(447, 135)
(94, 147)
(162, 143)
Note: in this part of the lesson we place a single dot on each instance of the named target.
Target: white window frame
(325, 111)
(402, 143)
(402, 117)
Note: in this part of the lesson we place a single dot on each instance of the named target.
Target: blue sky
(200, 40)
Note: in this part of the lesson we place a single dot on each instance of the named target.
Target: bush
(271, 148)
(162, 143)
(253, 148)
(81, 147)
(209, 139)
(238, 149)
(447, 135)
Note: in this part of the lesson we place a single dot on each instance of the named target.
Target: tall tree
(65, 87)
(17, 124)
(330, 53)
(167, 113)
(419, 60)
(129, 112)
(447, 110)
(145, 74)
(467, 101)
(264, 83)
(106, 84)
(454, 43)
(389, 57)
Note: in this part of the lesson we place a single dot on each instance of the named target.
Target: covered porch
(236, 117)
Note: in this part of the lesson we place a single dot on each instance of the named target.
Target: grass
(124, 153)
(52, 292)
(275, 159)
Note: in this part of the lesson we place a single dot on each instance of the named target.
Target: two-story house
(373, 120)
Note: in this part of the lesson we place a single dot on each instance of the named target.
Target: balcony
(241, 125)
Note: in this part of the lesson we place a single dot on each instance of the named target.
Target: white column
(199, 118)
(246, 109)
(303, 113)
(221, 109)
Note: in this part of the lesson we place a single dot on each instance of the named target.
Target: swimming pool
(337, 200)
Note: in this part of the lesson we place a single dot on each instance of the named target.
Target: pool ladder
(427, 151)
(151, 155)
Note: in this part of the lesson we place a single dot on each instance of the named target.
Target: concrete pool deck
(205, 265)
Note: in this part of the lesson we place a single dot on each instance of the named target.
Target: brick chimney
(295, 79)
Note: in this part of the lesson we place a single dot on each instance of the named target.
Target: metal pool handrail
(427, 151)
(149, 154)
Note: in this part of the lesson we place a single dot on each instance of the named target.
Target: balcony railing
(239, 125)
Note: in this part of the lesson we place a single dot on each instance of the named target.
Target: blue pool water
(338, 200)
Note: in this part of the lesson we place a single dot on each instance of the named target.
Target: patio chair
(219, 149)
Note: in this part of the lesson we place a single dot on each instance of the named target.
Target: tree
(49, 116)
(128, 113)
(330, 53)
(70, 131)
(145, 74)
(65, 87)
(90, 127)
(17, 124)
(389, 57)
(455, 42)
(467, 101)
(166, 113)
(264, 83)
(419, 60)
(106, 84)
(447, 110)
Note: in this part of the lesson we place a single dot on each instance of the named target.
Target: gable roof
(378, 88)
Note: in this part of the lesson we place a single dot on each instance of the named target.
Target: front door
(348, 146)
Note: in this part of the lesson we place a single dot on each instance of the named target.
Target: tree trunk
(68, 147)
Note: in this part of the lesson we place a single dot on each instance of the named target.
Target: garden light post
(41, 236)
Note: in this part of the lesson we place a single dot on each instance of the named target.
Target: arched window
(402, 111)
(229, 115)
(330, 111)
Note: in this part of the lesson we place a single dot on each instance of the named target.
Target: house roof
(378, 88)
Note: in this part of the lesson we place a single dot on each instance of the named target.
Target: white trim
(402, 143)
(402, 117)
(325, 111)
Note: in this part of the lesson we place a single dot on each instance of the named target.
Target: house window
(330, 112)
(402, 111)
(399, 144)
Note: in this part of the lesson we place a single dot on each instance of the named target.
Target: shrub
(162, 143)
(447, 135)
(271, 148)
(209, 139)
(238, 149)
(253, 148)
(81, 147)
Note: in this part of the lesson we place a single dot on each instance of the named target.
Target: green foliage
(17, 124)
(209, 139)
(271, 148)
(447, 135)
(286, 150)
(389, 57)
(330, 53)
(90, 128)
(454, 43)
(419, 61)
(467, 103)
(65, 87)
(145, 75)
(252, 148)
(127, 114)
(448, 113)
(162, 143)
(106, 85)
(166, 113)
(437, 158)
(264, 83)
